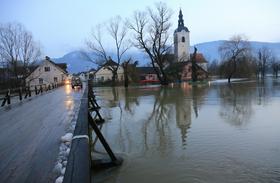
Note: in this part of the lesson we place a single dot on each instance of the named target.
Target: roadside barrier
(24, 92)
(80, 161)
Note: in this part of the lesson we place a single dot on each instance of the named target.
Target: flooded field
(209, 133)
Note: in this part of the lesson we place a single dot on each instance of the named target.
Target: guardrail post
(26, 92)
(36, 90)
(29, 91)
(9, 96)
(20, 93)
(5, 99)
(101, 138)
(41, 89)
(93, 123)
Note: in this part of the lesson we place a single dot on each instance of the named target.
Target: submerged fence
(22, 93)
(80, 161)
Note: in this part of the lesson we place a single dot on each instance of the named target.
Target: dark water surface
(207, 133)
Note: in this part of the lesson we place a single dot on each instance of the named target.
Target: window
(41, 81)
(183, 39)
(47, 69)
(55, 79)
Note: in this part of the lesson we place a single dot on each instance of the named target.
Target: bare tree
(118, 32)
(17, 49)
(275, 64)
(232, 50)
(29, 50)
(10, 46)
(152, 35)
(264, 57)
(129, 69)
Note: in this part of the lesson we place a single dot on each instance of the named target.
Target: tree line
(239, 59)
(18, 51)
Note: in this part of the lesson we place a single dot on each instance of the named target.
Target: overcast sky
(63, 25)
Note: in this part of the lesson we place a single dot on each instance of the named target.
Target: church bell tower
(181, 41)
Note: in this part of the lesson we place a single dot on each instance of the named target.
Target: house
(47, 73)
(83, 76)
(104, 73)
(91, 73)
(147, 75)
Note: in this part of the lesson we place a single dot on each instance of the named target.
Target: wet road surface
(30, 135)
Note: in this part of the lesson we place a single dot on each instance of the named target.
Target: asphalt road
(30, 135)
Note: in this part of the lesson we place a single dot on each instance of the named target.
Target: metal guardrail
(80, 163)
(79, 159)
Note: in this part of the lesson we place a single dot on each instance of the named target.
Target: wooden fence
(24, 92)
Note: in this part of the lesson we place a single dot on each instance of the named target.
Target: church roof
(200, 58)
(181, 23)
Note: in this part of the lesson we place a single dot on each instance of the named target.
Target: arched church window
(183, 39)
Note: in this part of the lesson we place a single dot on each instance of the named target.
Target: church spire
(181, 20)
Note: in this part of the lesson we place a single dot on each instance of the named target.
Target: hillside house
(47, 73)
(104, 73)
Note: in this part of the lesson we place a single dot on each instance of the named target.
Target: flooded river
(208, 133)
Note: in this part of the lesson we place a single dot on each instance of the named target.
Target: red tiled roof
(200, 58)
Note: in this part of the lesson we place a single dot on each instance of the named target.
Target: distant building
(147, 75)
(104, 73)
(186, 72)
(47, 73)
(181, 41)
(182, 54)
(83, 76)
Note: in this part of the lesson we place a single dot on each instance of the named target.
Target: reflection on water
(209, 133)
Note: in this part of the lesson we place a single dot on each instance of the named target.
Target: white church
(182, 54)
(181, 40)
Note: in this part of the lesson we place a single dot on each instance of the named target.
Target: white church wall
(183, 48)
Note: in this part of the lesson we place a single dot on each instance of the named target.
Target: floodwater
(208, 133)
